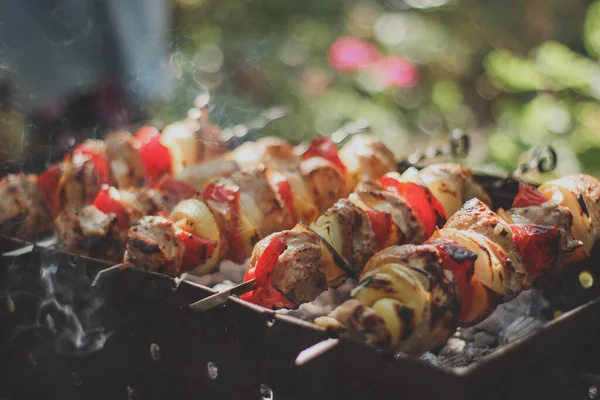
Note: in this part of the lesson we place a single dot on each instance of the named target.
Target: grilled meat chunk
(327, 182)
(23, 210)
(254, 182)
(366, 158)
(152, 245)
(270, 151)
(297, 273)
(91, 232)
(126, 165)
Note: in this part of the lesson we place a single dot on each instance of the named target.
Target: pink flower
(395, 71)
(348, 53)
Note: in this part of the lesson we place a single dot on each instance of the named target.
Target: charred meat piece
(23, 210)
(91, 232)
(152, 245)
(297, 272)
(126, 165)
(327, 182)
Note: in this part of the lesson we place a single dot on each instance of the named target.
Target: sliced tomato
(230, 196)
(108, 202)
(427, 208)
(176, 188)
(265, 294)
(461, 262)
(325, 148)
(48, 183)
(382, 226)
(537, 245)
(528, 196)
(155, 156)
(197, 249)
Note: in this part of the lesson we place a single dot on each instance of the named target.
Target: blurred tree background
(512, 73)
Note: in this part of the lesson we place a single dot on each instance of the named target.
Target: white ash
(526, 314)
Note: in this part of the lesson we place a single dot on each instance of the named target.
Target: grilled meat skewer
(411, 298)
(251, 203)
(29, 202)
(294, 267)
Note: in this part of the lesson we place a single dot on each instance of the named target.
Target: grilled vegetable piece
(122, 159)
(255, 202)
(374, 216)
(482, 259)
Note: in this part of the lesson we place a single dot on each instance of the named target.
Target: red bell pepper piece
(155, 156)
(176, 188)
(285, 191)
(108, 203)
(528, 196)
(230, 196)
(537, 245)
(382, 226)
(48, 183)
(426, 207)
(461, 262)
(325, 148)
(265, 294)
(197, 249)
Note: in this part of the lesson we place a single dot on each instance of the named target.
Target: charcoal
(511, 321)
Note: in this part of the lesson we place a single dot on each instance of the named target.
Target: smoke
(68, 315)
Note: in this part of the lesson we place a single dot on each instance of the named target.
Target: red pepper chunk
(285, 191)
(265, 294)
(197, 249)
(230, 196)
(154, 155)
(175, 188)
(382, 226)
(461, 262)
(325, 148)
(48, 183)
(107, 202)
(537, 245)
(528, 196)
(427, 208)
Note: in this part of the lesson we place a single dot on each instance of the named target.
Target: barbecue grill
(75, 327)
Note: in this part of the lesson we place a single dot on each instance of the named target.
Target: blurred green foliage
(514, 73)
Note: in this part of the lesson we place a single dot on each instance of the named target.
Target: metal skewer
(219, 298)
(45, 243)
(459, 146)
